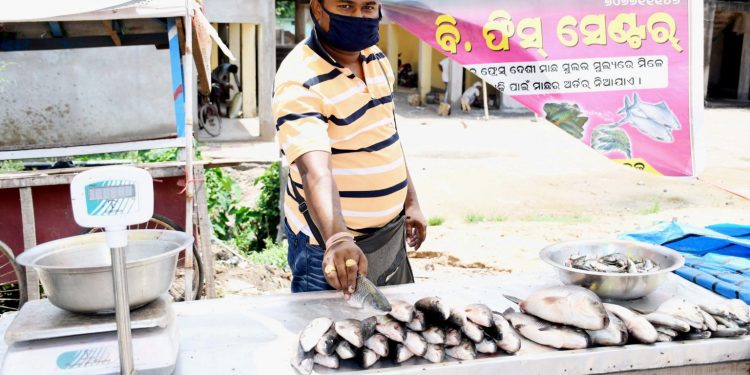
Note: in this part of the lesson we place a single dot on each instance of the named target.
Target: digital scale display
(99, 193)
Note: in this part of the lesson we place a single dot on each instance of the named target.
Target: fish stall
(261, 334)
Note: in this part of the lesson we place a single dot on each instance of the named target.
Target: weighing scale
(44, 339)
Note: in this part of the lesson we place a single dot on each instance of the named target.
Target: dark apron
(387, 263)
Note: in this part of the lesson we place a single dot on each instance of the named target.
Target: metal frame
(182, 82)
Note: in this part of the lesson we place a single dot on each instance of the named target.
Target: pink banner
(613, 73)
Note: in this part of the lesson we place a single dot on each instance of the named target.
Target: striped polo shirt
(319, 105)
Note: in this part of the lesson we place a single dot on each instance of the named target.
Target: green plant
(222, 199)
(498, 219)
(474, 218)
(273, 254)
(435, 221)
(263, 220)
(11, 166)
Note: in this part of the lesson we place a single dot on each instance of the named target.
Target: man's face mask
(350, 34)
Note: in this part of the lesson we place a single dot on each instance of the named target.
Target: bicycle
(13, 292)
(177, 289)
(209, 118)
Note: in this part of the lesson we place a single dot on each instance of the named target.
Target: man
(350, 203)
(445, 65)
(470, 96)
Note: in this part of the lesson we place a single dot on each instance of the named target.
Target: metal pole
(122, 310)
(486, 105)
(187, 68)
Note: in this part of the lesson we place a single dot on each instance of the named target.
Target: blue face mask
(350, 34)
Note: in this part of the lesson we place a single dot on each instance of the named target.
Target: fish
(399, 352)
(391, 328)
(479, 314)
(546, 333)
(402, 311)
(654, 120)
(434, 309)
(368, 327)
(434, 335)
(709, 320)
(717, 310)
(368, 297)
(637, 325)
(486, 346)
(612, 263)
(457, 317)
(510, 340)
(303, 361)
(435, 353)
(614, 334)
(667, 320)
(345, 350)
(702, 335)
(726, 322)
(660, 337)
(312, 333)
(327, 343)
(366, 358)
(418, 324)
(724, 331)
(378, 344)
(453, 336)
(351, 331)
(329, 361)
(472, 331)
(464, 351)
(569, 305)
(666, 331)
(739, 310)
(415, 343)
(683, 309)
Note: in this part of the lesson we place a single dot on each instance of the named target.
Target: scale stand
(115, 197)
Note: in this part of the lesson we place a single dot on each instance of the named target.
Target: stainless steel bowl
(613, 285)
(76, 272)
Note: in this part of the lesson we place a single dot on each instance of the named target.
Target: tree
(285, 8)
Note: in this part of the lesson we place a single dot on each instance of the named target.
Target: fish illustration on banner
(614, 74)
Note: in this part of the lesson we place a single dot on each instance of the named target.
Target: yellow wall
(408, 45)
(437, 75)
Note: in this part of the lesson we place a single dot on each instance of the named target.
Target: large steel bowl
(613, 285)
(76, 272)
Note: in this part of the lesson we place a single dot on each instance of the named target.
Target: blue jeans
(306, 263)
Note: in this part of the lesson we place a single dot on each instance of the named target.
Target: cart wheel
(12, 281)
(177, 289)
(210, 120)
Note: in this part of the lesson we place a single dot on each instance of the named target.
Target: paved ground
(535, 185)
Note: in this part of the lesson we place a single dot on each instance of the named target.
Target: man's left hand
(416, 226)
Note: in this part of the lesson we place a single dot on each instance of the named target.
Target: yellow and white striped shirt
(321, 106)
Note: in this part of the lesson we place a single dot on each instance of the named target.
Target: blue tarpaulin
(716, 257)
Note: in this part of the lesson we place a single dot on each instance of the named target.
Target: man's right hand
(344, 278)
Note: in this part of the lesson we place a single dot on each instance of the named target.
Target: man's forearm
(321, 194)
(411, 191)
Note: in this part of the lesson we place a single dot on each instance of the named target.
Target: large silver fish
(614, 334)
(391, 328)
(667, 320)
(685, 310)
(479, 314)
(351, 331)
(327, 344)
(435, 310)
(637, 325)
(303, 361)
(464, 351)
(570, 305)
(435, 353)
(509, 340)
(655, 121)
(312, 333)
(546, 333)
(402, 310)
(367, 358)
(415, 343)
(329, 361)
(368, 297)
(345, 350)
(378, 344)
